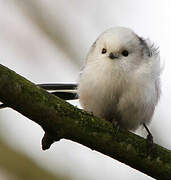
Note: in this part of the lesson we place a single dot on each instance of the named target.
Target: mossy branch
(60, 119)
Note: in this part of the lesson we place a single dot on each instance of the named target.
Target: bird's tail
(62, 90)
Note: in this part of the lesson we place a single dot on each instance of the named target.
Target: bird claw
(116, 127)
(149, 140)
(150, 143)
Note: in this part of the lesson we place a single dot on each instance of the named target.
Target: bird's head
(120, 45)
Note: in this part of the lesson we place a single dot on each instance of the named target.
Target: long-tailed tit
(120, 81)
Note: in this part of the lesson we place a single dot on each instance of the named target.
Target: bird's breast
(100, 87)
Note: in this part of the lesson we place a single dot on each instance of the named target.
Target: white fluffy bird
(120, 81)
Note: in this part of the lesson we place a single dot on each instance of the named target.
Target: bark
(60, 119)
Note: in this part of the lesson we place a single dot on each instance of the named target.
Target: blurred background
(47, 41)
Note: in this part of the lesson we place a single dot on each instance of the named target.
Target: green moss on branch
(60, 119)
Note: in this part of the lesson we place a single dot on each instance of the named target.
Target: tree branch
(60, 119)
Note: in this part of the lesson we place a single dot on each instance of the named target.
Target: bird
(119, 81)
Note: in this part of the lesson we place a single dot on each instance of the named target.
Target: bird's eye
(125, 53)
(104, 51)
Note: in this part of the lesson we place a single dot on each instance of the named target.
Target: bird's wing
(59, 86)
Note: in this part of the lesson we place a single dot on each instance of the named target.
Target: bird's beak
(113, 56)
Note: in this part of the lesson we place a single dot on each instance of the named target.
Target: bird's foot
(116, 126)
(150, 142)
